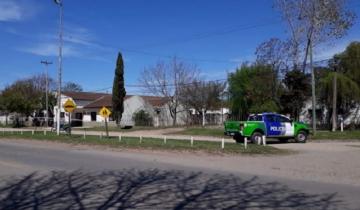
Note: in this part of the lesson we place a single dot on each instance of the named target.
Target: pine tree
(119, 92)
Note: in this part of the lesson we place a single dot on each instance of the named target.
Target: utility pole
(60, 3)
(313, 88)
(46, 63)
(334, 99)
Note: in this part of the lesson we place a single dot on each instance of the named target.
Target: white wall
(305, 116)
(3, 119)
(131, 106)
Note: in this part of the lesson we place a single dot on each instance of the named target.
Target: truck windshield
(255, 118)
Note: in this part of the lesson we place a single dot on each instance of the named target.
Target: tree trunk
(334, 102)
(118, 119)
(174, 118)
(172, 114)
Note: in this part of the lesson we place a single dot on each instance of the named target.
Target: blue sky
(215, 35)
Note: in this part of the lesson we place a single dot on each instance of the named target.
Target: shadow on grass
(153, 189)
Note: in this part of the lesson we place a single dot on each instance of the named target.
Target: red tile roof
(86, 96)
(155, 101)
(104, 99)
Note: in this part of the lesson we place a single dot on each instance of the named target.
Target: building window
(62, 114)
(93, 116)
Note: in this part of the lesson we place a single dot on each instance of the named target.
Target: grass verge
(149, 143)
(320, 135)
(216, 132)
(102, 128)
(337, 135)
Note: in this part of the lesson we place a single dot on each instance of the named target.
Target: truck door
(273, 126)
(288, 124)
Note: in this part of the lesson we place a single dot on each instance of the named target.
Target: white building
(353, 117)
(89, 105)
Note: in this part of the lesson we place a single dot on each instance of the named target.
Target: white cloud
(78, 35)
(51, 49)
(78, 42)
(10, 11)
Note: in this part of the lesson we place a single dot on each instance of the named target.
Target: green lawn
(219, 132)
(351, 135)
(6, 126)
(102, 128)
(198, 131)
(149, 143)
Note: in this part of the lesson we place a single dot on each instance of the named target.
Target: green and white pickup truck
(267, 124)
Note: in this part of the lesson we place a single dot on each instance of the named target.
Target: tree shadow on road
(153, 189)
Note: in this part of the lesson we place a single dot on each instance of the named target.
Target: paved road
(38, 175)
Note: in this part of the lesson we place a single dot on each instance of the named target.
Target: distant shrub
(142, 118)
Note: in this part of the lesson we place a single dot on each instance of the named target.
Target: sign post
(69, 107)
(105, 113)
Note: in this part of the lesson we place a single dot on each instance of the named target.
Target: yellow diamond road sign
(104, 112)
(69, 105)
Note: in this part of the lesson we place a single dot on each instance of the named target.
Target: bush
(142, 118)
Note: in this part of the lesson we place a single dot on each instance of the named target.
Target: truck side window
(283, 119)
(255, 118)
(271, 118)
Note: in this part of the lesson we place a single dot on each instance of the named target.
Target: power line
(213, 34)
(217, 80)
(182, 58)
(167, 85)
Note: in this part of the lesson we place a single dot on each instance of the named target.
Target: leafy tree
(339, 84)
(72, 87)
(26, 97)
(21, 97)
(349, 62)
(118, 92)
(348, 92)
(297, 91)
(339, 90)
(249, 90)
(142, 118)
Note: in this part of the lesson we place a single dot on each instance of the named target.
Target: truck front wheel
(301, 137)
(256, 137)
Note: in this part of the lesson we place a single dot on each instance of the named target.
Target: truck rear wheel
(256, 137)
(301, 137)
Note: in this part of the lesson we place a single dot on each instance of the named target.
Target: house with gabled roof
(89, 105)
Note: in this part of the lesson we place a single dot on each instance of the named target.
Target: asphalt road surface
(40, 175)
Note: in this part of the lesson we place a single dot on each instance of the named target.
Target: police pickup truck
(271, 125)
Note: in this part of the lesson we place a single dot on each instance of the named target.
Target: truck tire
(301, 137)
(255, 137)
